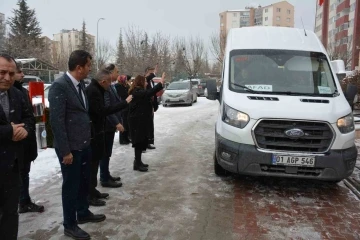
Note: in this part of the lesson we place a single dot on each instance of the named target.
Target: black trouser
(75, 186)
(151, 131)
(105, 161)
(9, 198)
(124, 136)
(24, 189)
(98, 148)
(138, 151)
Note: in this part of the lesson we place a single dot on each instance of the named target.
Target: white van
(282, 111)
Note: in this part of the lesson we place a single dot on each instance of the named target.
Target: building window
(288, 19)
(234, 14)
(278, 9)
(289, 11)
(266, 18)
(352, 7)
(278, 18)
(266, 10)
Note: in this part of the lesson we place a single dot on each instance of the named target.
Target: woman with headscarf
(122, 88)
(140, 115)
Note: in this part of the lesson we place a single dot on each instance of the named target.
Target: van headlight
(346, 124)
(235, 118)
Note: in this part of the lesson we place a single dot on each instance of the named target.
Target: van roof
(265, 37)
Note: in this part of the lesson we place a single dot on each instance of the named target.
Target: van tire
(219, 170)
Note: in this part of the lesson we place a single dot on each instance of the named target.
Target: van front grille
(270, 135)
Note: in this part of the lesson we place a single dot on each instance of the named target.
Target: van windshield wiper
(246, 88)
(303, 94)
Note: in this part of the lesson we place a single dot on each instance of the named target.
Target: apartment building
(51, 49)
(277, 14)
(337, 24)
(69, 40)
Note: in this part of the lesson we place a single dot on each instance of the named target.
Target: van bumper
(248, 160)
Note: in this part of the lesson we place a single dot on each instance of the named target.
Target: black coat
(123, 92)
(140, 113)
(30, 145)
(151, 83)
(18, 113)
(98, 112)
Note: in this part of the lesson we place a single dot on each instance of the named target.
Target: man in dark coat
(30, 152)
(15, 123)
(98, 112)
(150, 75)
(71, 127)
(112, 124)
(122, 89)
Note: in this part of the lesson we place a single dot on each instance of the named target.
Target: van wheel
(219, 170)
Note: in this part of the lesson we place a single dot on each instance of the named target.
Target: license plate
(293, 160)
(174, 100)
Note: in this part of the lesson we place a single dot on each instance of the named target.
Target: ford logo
(295, 132)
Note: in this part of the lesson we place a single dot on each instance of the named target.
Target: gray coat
(111, 98)
(69, 119)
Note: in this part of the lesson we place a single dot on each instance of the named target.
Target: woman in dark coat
(122, 88)
(140, 115)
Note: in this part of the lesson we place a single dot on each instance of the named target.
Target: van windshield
(281, 72)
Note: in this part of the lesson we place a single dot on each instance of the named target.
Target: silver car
(178, 93)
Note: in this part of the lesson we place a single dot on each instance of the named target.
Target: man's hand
(120, 128)
(156, 68)
(68, 159)
(19, 132)
(163, 78)
(129, 98)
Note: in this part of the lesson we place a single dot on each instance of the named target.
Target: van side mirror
(341, 76)
(212, 93)
(350, 93)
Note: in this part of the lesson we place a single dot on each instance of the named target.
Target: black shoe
(100, 195)
(115, 179)
(111, 184)
(96, 202)
(91, 218)
(144, 165)
(30, 207)
(76, 233)
(140, 168)
(149, 146)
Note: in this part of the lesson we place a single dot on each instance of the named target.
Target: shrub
(355, 80)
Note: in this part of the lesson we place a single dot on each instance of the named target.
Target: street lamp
(97, 43)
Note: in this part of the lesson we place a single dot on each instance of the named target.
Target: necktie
(80, 94)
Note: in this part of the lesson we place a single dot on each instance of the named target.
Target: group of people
(84, 121)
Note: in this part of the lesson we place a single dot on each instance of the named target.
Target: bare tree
(106, 52)
(192, 54)
(217, 47)
(343, 51)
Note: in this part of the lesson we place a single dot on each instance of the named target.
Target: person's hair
(139, 82)
(128, 77)
(110, 67)
(102, 74)
(149, 68)
(7, 57)
(18, 66)
(78, 58)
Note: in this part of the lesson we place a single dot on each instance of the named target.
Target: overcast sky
(171, 17)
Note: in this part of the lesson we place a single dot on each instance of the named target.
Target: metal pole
(97, 43)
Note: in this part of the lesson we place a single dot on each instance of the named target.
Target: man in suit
(71, 127)
(98, 112)
(15, 123)
(149, 75)
(30, 151)
(112, 124)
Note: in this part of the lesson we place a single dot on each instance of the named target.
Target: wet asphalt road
(181, 198)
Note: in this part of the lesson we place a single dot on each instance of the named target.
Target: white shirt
(76, 83)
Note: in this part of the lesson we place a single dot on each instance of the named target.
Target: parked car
(198, 85)
(179, 93)
(30, 78)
